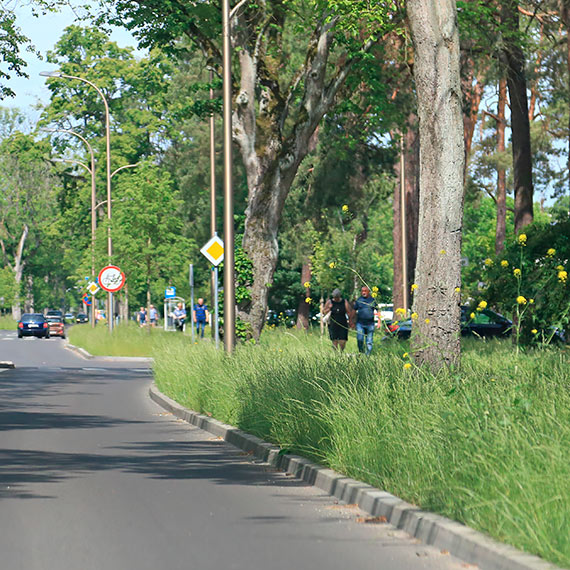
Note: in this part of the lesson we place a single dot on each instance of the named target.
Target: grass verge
(8, 323)
(488, 446)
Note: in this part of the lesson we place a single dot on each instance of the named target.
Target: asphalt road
(94, 475)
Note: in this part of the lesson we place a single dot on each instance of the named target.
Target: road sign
(86, 299)
(170, 292)
(214, 251)
(111, 278)
(92, 288)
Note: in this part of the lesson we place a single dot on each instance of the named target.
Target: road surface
(94, 475)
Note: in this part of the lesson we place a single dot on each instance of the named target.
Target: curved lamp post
(93, 196)
(59, 74)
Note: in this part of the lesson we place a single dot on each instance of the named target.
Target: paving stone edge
(460, 540)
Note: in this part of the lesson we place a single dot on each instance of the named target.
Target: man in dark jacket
(364, 307)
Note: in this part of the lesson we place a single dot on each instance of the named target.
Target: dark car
(81, 318)
(54, 313)
(56, 326)
(484, 323)
(33, 324)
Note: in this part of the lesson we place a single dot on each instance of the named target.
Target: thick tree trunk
(304, 308)
(564, 6)
(436, 333)
(513, 57)
(501, 229)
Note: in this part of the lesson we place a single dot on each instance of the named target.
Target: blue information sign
(170, 292)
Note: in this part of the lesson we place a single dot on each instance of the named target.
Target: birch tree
(436, 333)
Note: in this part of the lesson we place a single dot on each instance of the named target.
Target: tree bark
(436, 333)
(513, 57)
(18, 269)
(501, 229)
(304, 308)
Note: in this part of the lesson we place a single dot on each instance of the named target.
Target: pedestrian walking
(201, 315)
(152, 315)
(364, 308)
(141, 317)
(341, 315)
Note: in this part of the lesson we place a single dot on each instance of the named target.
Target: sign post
(111, 279)
(214, 252)
(190, 317)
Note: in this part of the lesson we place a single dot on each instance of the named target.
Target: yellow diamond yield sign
(214, 250)
(92, 288)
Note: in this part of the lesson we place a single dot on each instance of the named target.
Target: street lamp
(59, 74)
(93, 198)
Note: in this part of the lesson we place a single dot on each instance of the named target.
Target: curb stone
(460, 540)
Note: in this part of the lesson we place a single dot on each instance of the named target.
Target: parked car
(485, 323)
(69, 318)
(385, 312)
(56, 326)
(33, 324)
(81, 318)
(54, 313)
(286, 317)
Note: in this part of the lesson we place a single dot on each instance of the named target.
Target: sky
(44, 32)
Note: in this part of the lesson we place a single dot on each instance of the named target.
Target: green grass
(125, 340)
(489, 446)
(7, 323)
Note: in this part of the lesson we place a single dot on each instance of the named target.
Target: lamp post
(59, 74)
(229, 283)
(93, 199)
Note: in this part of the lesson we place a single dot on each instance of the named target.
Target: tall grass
(127, 339)
(488, 446)
(7, 323)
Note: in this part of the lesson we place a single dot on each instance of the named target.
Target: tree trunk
(304, 308)
(564, 6)
(18, 269)
(514, 60)
(501, 230)
(436, 333)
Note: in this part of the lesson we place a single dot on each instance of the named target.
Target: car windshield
(33, 317)
(54, 319)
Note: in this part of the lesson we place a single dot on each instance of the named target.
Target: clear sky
(44, 32)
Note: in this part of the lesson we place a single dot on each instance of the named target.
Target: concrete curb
(83, 353)
(461, 541)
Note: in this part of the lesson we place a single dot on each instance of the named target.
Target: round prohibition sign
(111, 278)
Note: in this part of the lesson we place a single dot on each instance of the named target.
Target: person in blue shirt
(364, 308)
(179, 315)
(200, 316)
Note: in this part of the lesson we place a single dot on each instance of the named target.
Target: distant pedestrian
(179, 315)
(200, 317)
(340, 319)
(141, 317)
(364, 308)
(152, 315)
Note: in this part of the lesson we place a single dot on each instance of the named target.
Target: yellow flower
(374, 295)
(427, 321)
(504, 263)
(493, 380)
(531, 301)
(332, 264)
(472, 315)
(516, 272)
(405, 355)
(306, 284)
(522, 239)
(551, 252)
(401, 311)
(345, 208)
(414, 286)
(562, 276)
(533, 331)
(560, 267)
(407, 366)
(458, 289)
(521, 300)
(308, 299)
(488, 262)
(375, 289)
(414, 316)
(442, 252)
(482, 305)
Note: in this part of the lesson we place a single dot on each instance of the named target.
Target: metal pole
(229, 284)
(216, 309)
(213, 229)
(191, 319)
(404, 233)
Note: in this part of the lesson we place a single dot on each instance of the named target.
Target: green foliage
(532, 269)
